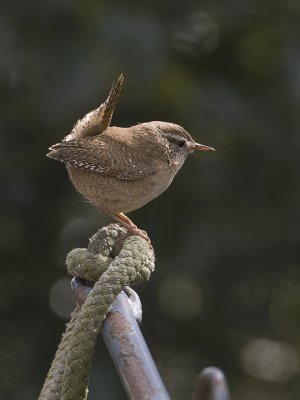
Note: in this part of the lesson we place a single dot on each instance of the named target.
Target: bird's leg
(132, 228)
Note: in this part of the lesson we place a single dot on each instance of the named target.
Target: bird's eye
(177, 141)
(181, 143)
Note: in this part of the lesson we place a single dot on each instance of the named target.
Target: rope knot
(112, 244)
(112, 260)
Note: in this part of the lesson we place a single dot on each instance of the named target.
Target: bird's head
(176, 140)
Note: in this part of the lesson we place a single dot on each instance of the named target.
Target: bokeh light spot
(269, 360)
(180, 297)
(61, 299)
(199, 36)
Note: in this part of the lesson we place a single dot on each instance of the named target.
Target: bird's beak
(202, 147)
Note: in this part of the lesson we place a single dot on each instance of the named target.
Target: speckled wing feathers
(81, 153)
(84, 149)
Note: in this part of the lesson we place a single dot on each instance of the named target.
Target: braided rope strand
(115, 260)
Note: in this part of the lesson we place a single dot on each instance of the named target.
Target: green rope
(112, 260)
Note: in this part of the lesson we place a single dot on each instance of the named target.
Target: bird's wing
(98, 120)
(95, 156)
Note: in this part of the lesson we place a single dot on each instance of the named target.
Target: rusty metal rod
(212, 384)
(126, 344)
(130, 353)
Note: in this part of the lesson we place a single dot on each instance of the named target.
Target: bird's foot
(134, 230)
(131, 227)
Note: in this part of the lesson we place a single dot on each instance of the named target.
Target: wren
(121, 169)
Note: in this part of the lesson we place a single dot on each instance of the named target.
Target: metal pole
(130, 353)
(126, 344)
(211, 383)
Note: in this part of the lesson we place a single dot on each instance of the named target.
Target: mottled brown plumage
(121, 169)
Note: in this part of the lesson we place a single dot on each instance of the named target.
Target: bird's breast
(119, 195)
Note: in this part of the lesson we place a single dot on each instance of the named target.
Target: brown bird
(121, 169)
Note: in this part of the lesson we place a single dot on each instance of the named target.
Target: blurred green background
(226, 290)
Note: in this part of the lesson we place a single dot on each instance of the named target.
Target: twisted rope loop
(112, 260)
